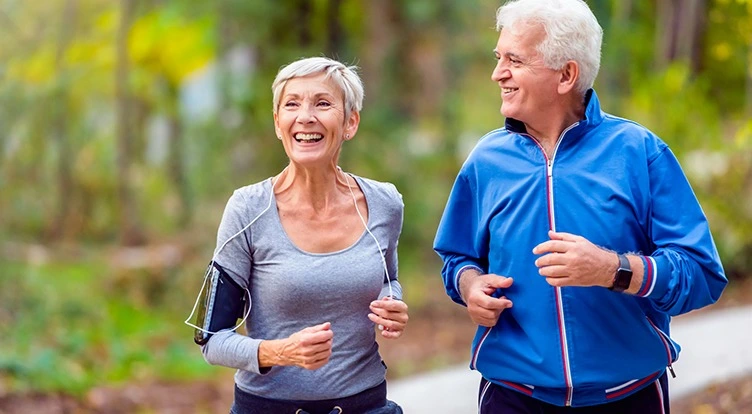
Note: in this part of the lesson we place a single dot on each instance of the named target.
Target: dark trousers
(372, 400)
(652, 399)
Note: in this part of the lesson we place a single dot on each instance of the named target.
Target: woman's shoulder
(251, 197)
(380, 189)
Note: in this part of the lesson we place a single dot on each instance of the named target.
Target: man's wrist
(465, 279)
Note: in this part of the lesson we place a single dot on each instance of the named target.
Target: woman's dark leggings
(370, 401)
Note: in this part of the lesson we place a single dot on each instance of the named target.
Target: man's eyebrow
(507, 55)
(513, 55)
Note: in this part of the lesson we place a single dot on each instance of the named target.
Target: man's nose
(500, 72)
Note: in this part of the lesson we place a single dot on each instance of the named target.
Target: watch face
(623, 276)
(623, 279)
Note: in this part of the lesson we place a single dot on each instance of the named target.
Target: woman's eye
(324, 104)
(291, 104)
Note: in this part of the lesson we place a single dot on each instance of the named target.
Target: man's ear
(568, 77)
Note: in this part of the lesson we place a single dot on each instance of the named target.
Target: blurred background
(125, 125)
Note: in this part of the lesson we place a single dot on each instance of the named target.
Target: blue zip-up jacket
(618, 185)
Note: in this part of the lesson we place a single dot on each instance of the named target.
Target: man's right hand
(476, 291)
(309, 348)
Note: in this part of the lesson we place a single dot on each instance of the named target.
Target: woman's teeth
(308, 137)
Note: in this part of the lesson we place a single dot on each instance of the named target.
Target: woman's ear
(351, 126)
(276, 127)
(568, 78)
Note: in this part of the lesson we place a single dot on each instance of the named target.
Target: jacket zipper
(667, 345)
(557, 290)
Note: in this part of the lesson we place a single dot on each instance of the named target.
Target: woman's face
(310, 120)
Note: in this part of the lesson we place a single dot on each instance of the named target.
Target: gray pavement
(716, 346)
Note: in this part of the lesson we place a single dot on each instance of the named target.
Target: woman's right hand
(309, 348)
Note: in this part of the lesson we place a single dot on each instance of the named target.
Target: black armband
(221, 304)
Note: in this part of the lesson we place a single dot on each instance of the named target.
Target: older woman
(308, 259)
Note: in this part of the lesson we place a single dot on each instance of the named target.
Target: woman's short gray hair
(345, 77)
(572, 33)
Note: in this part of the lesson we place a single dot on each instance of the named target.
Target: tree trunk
(334, 35)
(175, 164)
(748, 104)
(680, 32)
(691, 34)
(304, 23)
(379, 40)
(60, 126)
(224, 42)
(615, 81)
(666, 29)
(130, 233)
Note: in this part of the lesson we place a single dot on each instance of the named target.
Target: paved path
(716, 346)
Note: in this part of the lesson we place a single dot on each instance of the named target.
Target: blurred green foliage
(73, 321)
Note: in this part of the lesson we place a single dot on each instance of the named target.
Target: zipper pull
(550, 168)
(671, 370)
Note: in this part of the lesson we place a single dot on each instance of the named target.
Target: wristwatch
(623, 276)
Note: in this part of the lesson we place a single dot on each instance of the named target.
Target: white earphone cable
(271, 199)
(362, 220)
(214, 257)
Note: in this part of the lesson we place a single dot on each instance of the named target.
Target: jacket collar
(593, 116)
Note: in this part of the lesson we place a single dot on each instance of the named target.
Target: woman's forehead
(314, 83)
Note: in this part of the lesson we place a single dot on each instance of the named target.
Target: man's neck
(549, 130)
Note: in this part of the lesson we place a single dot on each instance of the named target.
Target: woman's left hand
(390, 315)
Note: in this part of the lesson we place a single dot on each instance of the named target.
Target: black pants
(652, 399)
(372, 400)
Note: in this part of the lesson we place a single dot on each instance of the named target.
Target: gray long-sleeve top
(292, 289)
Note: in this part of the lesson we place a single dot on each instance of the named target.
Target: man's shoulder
(629, 131)
(496, 139)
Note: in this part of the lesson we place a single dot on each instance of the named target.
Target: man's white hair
(572, 33)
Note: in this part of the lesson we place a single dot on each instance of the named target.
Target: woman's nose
(306, 115)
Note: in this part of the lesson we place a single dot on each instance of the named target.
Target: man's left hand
(571, 260)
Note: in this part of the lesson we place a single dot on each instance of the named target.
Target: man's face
(528, 87)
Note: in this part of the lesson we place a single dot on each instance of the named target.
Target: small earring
(347, 136)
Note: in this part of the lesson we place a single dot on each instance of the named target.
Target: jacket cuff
(653, 285)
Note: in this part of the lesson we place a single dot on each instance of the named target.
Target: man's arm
(684, 271)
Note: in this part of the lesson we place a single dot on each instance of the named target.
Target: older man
(571, 236)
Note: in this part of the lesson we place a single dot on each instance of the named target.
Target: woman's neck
(317, 188)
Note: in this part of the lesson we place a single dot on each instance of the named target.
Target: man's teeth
(308, 137)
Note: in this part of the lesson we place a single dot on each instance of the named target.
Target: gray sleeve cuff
(233, 350)
(396, 290)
